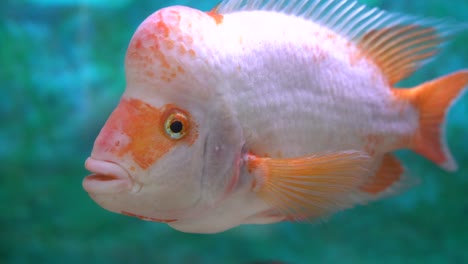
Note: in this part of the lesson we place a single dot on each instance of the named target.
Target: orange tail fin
(433, 100)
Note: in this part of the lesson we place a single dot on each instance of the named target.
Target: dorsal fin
(401, 49)
(398, 44)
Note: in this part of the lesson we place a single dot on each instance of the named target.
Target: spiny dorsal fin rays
(359, 24)
(400, 50)
(343, 11)
(346, 17)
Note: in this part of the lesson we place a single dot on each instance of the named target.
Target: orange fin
(433, 100)
(312, 186)
(400, 50)
(389, 173)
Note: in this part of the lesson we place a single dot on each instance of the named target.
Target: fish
(264, 111)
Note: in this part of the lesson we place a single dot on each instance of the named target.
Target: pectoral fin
(311, 186)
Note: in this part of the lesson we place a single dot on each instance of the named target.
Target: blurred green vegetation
(61, 74)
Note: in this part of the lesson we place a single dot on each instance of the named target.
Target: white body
(296, 89)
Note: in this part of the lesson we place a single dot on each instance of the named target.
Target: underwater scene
(62, 73)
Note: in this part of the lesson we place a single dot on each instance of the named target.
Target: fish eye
(176, 125)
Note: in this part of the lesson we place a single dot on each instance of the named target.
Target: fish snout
(106, 177)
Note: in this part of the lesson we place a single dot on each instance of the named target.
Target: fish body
(310, 92)
(266, 111)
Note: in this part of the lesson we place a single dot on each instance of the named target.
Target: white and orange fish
(265, 111)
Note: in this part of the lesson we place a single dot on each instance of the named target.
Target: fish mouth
(106, 177)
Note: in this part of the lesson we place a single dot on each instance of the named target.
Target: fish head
(171, 148)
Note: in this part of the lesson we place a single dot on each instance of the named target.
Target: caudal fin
(433, 100)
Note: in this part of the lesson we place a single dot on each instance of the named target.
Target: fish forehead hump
(171, 52)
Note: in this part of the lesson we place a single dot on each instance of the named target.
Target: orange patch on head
(192, 53)
(169, 44)
(143, 124)
(161, 28)
(218, 18)
(182, 50)
(180, 69)
(157, 44)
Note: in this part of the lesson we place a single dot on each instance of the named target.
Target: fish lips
(107, 177)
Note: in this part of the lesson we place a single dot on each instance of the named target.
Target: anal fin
(389, 172)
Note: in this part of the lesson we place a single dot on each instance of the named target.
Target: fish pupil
(176, 127)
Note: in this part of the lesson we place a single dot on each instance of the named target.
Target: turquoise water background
(61, 74)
